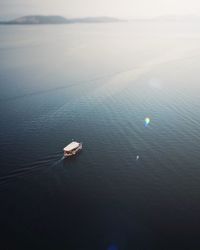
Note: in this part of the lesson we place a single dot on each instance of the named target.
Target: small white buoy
(137, 157)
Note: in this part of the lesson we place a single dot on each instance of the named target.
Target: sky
(114, 8)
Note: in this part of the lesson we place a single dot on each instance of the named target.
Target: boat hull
(73, 152)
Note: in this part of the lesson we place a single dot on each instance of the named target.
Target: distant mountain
(36, 19)
(178, 18)
(168, 18)
(94, 20)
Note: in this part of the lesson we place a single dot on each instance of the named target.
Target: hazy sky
(116, 8)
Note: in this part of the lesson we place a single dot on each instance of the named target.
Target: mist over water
(97, 83)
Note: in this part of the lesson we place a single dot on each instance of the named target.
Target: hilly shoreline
(40, 19)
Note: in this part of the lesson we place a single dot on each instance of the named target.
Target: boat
(72, 148)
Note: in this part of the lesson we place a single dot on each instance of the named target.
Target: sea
(130, 91)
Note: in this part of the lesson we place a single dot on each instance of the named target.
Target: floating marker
(137, 157)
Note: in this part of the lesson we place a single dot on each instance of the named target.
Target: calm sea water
(96, 84)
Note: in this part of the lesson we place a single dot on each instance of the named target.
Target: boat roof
(71, 146)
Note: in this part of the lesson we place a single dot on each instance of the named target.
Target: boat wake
(58, 161)
(29, 168)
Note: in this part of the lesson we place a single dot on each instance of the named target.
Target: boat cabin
(72, 148)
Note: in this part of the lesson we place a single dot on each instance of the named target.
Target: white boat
(72, 148)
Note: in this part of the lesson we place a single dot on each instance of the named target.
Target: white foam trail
(58, 161)
(25, 171)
